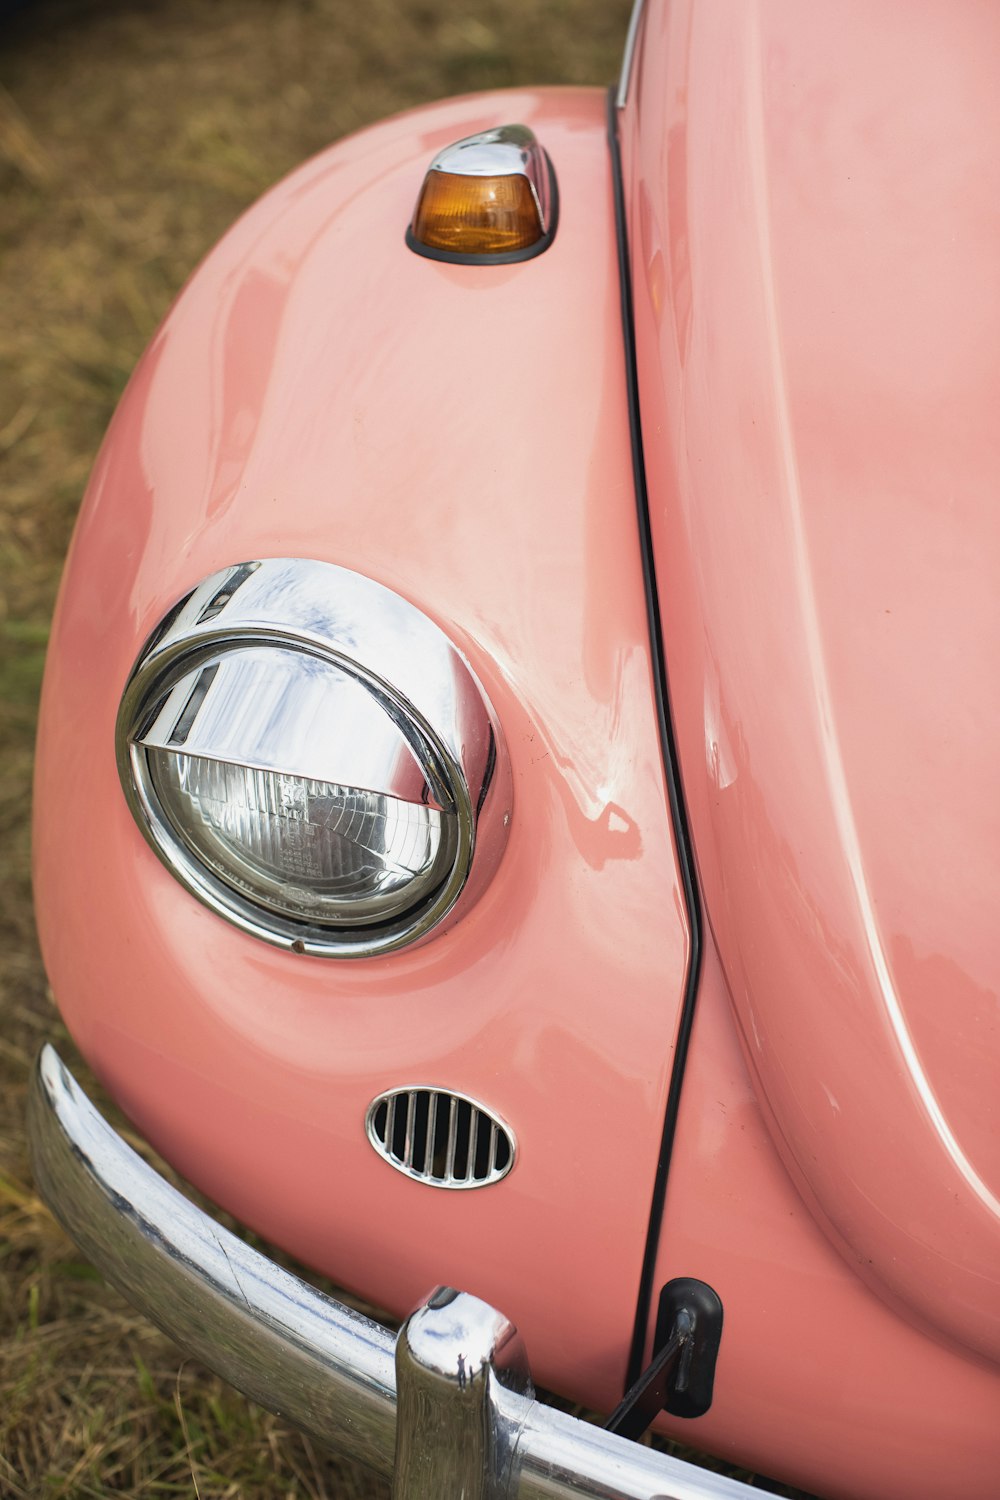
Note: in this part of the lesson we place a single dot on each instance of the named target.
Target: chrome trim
(429, 731)
(454, 1356)
(324, 1368)
(445, 1176)
(628, 57)
(507, 151)
(284, 711)
(452, 1147)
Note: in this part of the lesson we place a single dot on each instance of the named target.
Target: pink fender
(461, 435)
(819, 1382)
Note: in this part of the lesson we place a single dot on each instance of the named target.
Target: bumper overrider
(446, 1408)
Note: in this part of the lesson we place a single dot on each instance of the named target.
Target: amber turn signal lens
(487, 199)
(477, 215)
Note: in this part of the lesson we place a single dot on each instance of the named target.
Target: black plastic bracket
(681, 1377)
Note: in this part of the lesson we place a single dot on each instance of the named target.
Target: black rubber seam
(685, 858)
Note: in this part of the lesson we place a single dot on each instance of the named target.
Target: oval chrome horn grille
(444, 1139)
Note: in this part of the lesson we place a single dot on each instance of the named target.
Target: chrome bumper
(445, 1409)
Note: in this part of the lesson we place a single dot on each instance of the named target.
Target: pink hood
(815, 221)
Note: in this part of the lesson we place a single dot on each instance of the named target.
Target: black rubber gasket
(678, 814)
(680, 1378)
(504, 257)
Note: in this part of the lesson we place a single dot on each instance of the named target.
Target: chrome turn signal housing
(489, 199)
(312, 758)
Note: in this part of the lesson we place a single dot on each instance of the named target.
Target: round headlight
(311, 757)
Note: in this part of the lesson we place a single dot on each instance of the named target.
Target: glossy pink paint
(813, 202)
(460, 434)
(819, 1381)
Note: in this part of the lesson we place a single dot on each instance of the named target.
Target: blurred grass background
(131, 135)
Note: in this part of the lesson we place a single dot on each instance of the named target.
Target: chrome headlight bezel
(397, 655)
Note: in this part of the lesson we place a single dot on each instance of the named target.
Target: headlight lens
(294, 789)
(305, 849)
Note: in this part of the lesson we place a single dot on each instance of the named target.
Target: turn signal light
(489, 199)
(476, 215)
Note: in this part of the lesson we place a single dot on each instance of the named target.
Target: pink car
(517, 784)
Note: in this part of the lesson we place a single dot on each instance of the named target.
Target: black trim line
(685, 857)
(502, 257)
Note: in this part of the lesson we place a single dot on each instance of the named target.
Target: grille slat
(470, 1165)
(440, 1137)
(431, 1134)
(449, 1170)
(411, 1120)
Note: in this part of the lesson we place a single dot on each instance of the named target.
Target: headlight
(311, 756)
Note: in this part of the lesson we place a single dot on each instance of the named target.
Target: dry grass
(130, 136)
